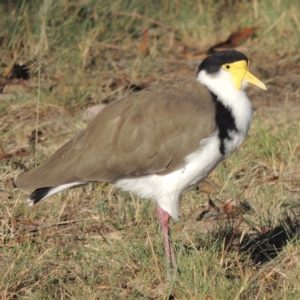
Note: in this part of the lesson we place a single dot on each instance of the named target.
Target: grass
(97, 242)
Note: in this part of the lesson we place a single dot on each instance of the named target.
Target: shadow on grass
(266, 244)
(260, 244)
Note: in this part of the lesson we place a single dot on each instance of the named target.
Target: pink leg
(164, 218)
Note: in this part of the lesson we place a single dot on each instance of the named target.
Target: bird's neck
(233, 111)
(233, 121)
(228, 99)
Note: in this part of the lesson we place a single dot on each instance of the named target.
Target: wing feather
(145, 133)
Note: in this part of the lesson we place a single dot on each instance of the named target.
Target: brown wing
(148, 132)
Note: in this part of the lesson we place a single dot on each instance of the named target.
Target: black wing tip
(38, 195)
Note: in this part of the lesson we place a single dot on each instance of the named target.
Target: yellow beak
(239, 72)
(252, 79)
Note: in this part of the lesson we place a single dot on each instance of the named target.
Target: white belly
(168, 189)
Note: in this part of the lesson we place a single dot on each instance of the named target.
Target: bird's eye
(227, 67)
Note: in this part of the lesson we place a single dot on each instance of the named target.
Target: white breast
(168, 189)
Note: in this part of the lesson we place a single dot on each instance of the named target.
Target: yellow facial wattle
(239, 72)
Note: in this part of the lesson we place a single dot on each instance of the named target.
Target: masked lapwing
(159, 142)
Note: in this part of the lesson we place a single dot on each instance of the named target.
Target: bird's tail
(45, 192)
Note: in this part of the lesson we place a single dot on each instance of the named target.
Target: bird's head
(228, 67)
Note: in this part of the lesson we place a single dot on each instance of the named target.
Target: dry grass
(97, 242)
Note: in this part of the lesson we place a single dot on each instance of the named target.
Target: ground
(97, 242)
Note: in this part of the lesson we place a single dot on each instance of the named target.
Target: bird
(158, 143)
